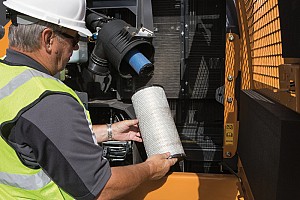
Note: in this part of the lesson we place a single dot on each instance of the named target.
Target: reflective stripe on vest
(24, 181)
(26, 76)
(20, 80)
(22, 87)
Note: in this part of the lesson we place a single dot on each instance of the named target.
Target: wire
(231, 170)
(100, 14)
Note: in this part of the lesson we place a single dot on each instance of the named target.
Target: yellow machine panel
(4, 41)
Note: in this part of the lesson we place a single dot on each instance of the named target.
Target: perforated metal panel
(261, 28)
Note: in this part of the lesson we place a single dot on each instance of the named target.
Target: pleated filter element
(156, 123)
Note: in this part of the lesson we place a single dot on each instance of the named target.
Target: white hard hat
(65, 13)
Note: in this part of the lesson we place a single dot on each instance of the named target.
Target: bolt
(231, 37)
(228, 154)
(229, 99)
(230, 78)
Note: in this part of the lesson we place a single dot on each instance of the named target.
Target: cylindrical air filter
(139, 63)
(156, 123)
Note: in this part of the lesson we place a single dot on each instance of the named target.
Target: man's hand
(122, 131)
(159, 165)
(125, 179)
(126, 130)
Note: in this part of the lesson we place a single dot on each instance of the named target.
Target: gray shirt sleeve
(58, 135)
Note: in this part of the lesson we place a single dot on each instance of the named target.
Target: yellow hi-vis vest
(21, 88)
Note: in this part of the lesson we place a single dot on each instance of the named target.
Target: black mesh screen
(268, 147)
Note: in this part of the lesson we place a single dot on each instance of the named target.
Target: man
(48, 147)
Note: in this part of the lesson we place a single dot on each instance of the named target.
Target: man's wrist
(150, 167)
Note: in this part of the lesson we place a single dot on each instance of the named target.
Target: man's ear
(47, 38)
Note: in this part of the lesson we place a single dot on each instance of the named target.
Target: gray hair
(27, 37)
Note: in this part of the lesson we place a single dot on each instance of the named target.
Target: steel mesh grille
(263, 26)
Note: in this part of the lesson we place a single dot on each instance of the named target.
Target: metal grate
(263, 25)
(199, 118)
(206, 47)
(167, 54)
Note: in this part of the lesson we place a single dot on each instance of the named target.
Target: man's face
(66, 43)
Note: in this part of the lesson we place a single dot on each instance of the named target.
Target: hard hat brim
(48, 17)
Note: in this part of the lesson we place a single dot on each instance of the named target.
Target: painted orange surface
(189, 186)
(4, 41)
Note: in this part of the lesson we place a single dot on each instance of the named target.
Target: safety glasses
(75, 39)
